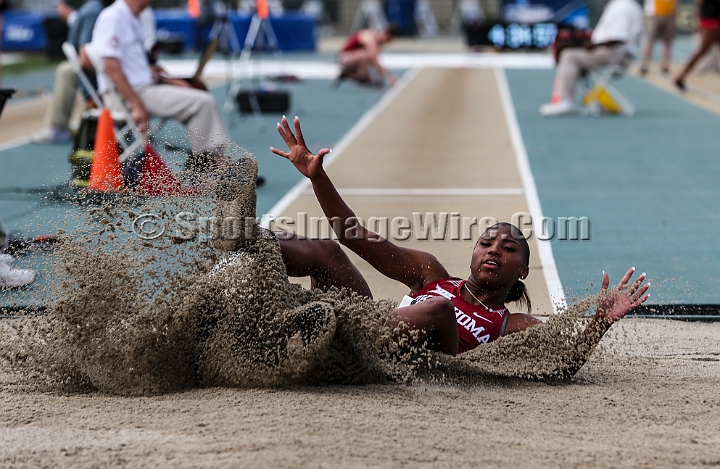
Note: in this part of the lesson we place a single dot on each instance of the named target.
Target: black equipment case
(277, 101)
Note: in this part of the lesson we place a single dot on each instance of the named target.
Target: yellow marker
(604, 98)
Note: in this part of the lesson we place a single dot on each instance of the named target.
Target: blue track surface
(648, 183)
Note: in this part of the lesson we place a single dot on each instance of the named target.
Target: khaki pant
(575, 60)
(660, 27)
(63, 98)
(196, 109)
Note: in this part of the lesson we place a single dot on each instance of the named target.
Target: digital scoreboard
(512, 35)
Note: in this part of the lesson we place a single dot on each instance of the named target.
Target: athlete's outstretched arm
(613, 305)
(412, 267)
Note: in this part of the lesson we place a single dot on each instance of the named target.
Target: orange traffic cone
(158, 179)
(105, 173)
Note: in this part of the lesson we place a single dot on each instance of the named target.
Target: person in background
(66, 13)
(359, 57)
(711, 62)
(660, 15)
(709, 27)
(57, 118)
(620, 25)
(118, 41)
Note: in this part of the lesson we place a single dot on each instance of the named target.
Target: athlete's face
(498, 259)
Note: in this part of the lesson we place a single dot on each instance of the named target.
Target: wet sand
(655, 404)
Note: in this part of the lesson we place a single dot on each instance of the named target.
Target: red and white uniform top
(476, 324)
(353, 43)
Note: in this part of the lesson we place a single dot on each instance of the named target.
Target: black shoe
(680, 84)
(259, 181)
(643, 71)
(665, 70)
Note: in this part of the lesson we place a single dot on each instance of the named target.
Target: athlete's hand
(614, 304)
(308, 164)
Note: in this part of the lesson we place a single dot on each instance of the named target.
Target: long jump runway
(446, 140)
(438, 146)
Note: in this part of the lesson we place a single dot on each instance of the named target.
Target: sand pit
(655, 404)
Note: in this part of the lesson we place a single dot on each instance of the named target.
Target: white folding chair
(72, 56)
(601, 96)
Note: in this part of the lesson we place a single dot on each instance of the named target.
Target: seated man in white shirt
(621, 25)
(117, 38)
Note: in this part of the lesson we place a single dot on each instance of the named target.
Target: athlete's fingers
(288, 131)
(605, 281)
(290, 138)
(284, 135)
(321, 154)
(638, 294)
(633, 288)
(298, 132)
(625, 279)
(284, 154)
(640, 300)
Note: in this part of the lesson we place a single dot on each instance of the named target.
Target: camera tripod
(259, 28)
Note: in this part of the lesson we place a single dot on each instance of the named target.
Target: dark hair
(107, 3)
(518, 292)
(393, 30)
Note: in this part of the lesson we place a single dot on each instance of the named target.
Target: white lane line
(467, 60)
(470, 191)
(347, 139)
(313, 70)
(14, 143)
(552, 279)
